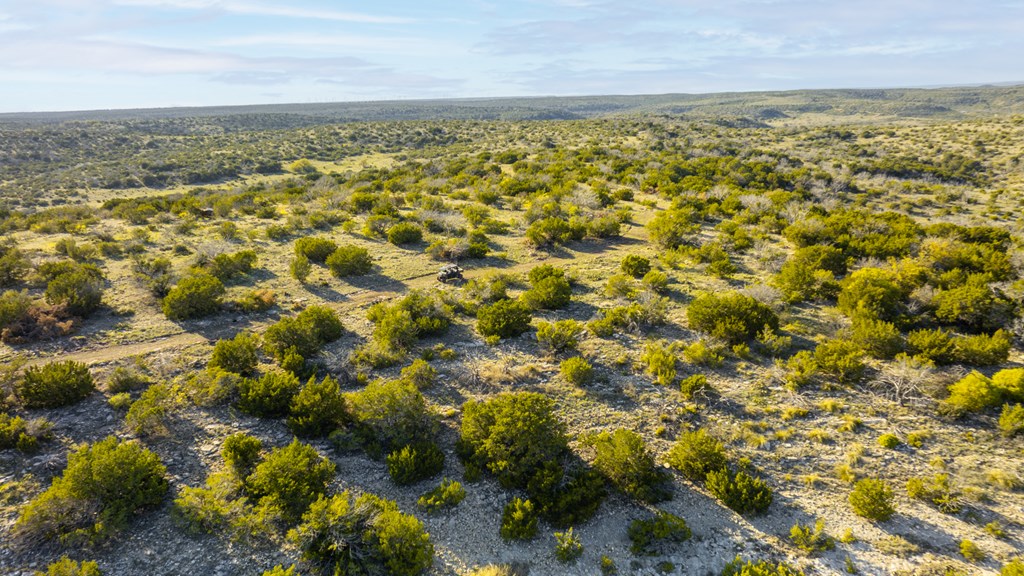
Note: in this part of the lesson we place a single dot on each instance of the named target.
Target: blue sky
(90, 54)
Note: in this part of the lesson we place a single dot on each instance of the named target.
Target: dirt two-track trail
(354, 300)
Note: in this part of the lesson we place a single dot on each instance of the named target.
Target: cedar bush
(1011, 420)
(241, 453)
(102, 487)
(624, 459)
(55, 384)
(304, 334)
(292, 478)
(731, 316)
(635, 266)
(512, 435)
(318, 409)
(504, 319)
(759, 568)
(389, 415)
(80, 290)
(518, 520)
(447, 494)
(237, 355)
(405, 233)
(68, 567)
(559, 336)
(195, 296)
(741, 492)
(576, 371)
(316, 249)
(16, 432)
(843, 359)
(549, 293)
(873, 292)
(269, 396)
(415, 462)
(350, 260)
(872, 499)
(653, 536)
(347, 534)
(696, 454)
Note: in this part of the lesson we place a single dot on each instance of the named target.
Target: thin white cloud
(266, 9)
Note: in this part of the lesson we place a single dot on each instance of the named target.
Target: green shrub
(653, 536)
(147, 415)
(559, 336)
(934, 345)
(1010, 383)
(13, 265)
(568, 547)
(635, 266)
(800, 369)
(936, 490)
(389, 415)
(661, 362)
(420, 374)
(518, 520)
(292, 477)
(303, 334)
(80, 290)
(538, 273)
(447, 495)
(696, 454)
(693, 386)
(566, 497)
(549, 293)
(415, 462)
(513, 435)
(811, 539)
(300, 268)
(318, 409)
(67, 567)
(872, 499)
(879, 338)
(314, 248)
(674, 227)
(553, 231)
(350, 260)
(656, 281)
(13, 307)
(241, 453)
(343, 533)
(982, 350)
(576, 371)
(971, 552)
(124, 379)
(55, 384)
(972, 305)
(237, 355)
(624, 459)
(620, 286)
(973, 393)
(810, 274)
(102, 487)
(1013, 568)
(730, 316)
(228, 267)
(269, 396)
(280, 570)
(1011, 420)
(397, 326)
(194, 296)
(405, 233)
(889, 441)
(841, 358)
(504, 319)
(873, 292)
(701, 354)
(759, 568)
(16, 432)
(741, 492)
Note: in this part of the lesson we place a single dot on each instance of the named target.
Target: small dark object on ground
(449, 273)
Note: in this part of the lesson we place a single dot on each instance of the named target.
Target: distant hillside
(940, 103)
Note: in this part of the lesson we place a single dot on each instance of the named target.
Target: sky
(105, 54)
